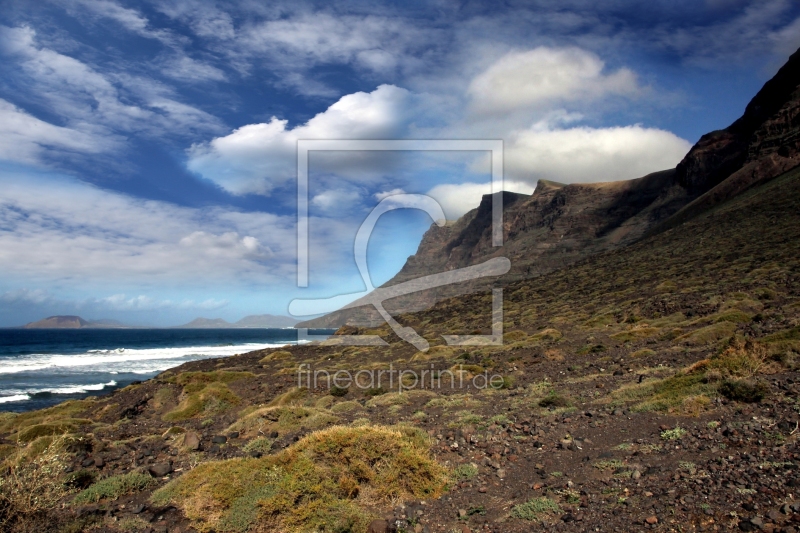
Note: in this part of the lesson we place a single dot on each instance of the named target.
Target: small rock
(651, 520)
(87, 462)
(756, 521)
(233, 435)
(378, 526)
(160, 469)
(99, 462)
(462, 513)
(636, 474)
(219, 439)
(273, 435)
(191, 441)
(138, 509)
(501, 473)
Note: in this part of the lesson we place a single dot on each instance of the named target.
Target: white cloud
(335, 199)
(385, 194)
(204, 18)
(227, 246)
(374, 43)
(120, 302)
(58, 229)
(26, 296)
(545, 77)
(458, 198)
(761, 28)
(584, 154)
(255, 158)
(184, 68)
(95, 103)
(130, 19)
(27, 139)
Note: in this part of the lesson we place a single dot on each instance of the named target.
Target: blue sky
(147, 149)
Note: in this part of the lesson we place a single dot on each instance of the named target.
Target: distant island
(251, 321)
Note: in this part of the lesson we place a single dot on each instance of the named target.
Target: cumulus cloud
(257, 157)
(335, 199)
(545, 77)
(228, 245)
(583, 154)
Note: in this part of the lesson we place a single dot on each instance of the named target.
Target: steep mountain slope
(560, 224)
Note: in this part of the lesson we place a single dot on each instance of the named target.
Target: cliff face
(561, 224)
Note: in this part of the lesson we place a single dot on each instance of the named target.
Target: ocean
(40, 368)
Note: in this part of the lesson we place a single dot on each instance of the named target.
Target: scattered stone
(652, 520)
(160, 469)
(219, 439)
(191, 441)
(378, 526)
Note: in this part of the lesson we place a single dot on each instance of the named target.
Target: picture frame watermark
(376, 297)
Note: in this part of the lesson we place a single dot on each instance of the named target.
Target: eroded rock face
(769, 125)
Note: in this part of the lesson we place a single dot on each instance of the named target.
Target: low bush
(338, 391)
(554, 400)
(113, 487)
(535, 509)
(31, 488)
(203, 400)
(314, 485)
(743, 390)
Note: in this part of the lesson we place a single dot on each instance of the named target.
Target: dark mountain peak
(768, 125)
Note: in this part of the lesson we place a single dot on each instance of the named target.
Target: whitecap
(14, 398)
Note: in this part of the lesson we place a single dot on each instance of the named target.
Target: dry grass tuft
(31, 487)
(321, 483)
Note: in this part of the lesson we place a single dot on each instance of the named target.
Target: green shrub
(203, 400)
(465, 472)
(338, 391)
(743, 390)
(312, 485)
(554, 400)
(114, 487)
(673, 434)
(535, 509)
(262, 445)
